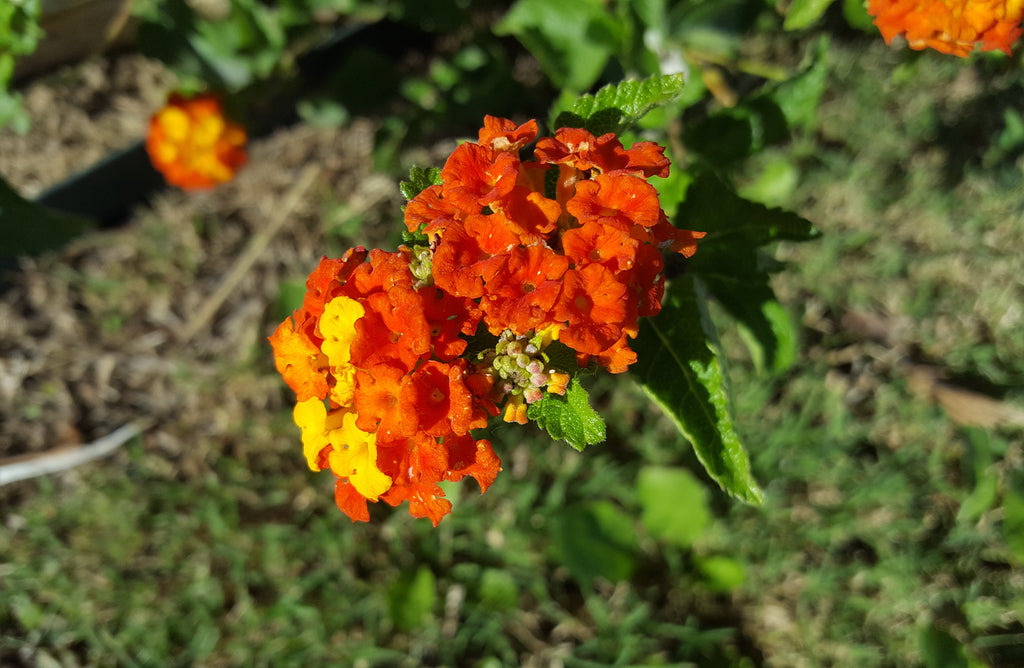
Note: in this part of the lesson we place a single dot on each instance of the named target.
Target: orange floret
(193, 145)
(578, 148)
(475, 176)
(299, 360)
(616, 199)
(502, 134)
(950, 26)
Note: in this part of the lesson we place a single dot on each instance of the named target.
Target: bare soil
(94, 336)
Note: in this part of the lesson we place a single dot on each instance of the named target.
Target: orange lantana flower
(193, 145)
(950, 26)
(396, 358)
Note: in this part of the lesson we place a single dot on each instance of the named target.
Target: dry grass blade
(963, 406)
(63, 458)
(253, 251)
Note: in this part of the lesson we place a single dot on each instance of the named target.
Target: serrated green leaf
(572, 41)
(569, 418)
(678, 366)
(420, 178)
(674, 504)
(594, 540)
(802, 13)
(617, 107)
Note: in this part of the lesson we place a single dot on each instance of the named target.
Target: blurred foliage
(19, 34)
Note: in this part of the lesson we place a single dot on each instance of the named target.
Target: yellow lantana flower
(355, 457)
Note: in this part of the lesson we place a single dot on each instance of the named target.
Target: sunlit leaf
(420, 178)
(802, 13)
(619, 106)
(569, 418)
(680, 369)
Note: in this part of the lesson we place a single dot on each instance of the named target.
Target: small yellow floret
(355, 457)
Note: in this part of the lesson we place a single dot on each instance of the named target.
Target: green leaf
(734, 224)
(734, 270)
(411, 599)
(856, 14)
(802, 13)
(1013, 515)
(678, 366)
(980, 472)
(594, 540)
(569, 418)
(723, 574)
(764, 325)
(617, 107)
(498, 590)
(939, 649)
(420, 178)
(799, 96)
(674, 503)
(27, 227)
(730, 135)
(572, 41)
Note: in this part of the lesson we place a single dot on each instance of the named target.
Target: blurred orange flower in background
(193, 145)
(950, 26)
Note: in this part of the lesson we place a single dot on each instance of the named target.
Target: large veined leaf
(619, 106)
(679, 367)
(732, 266)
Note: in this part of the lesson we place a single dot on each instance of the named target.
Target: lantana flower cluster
(510, 256)
(950, 26)
(193, 144)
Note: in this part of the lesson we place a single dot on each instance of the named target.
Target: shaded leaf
(674, 503)
(939, 649)
(679, 368)
(572, 41)
(1013, 515)
(27, 227)
(411, 599)
(732, 267)
(594, 540)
